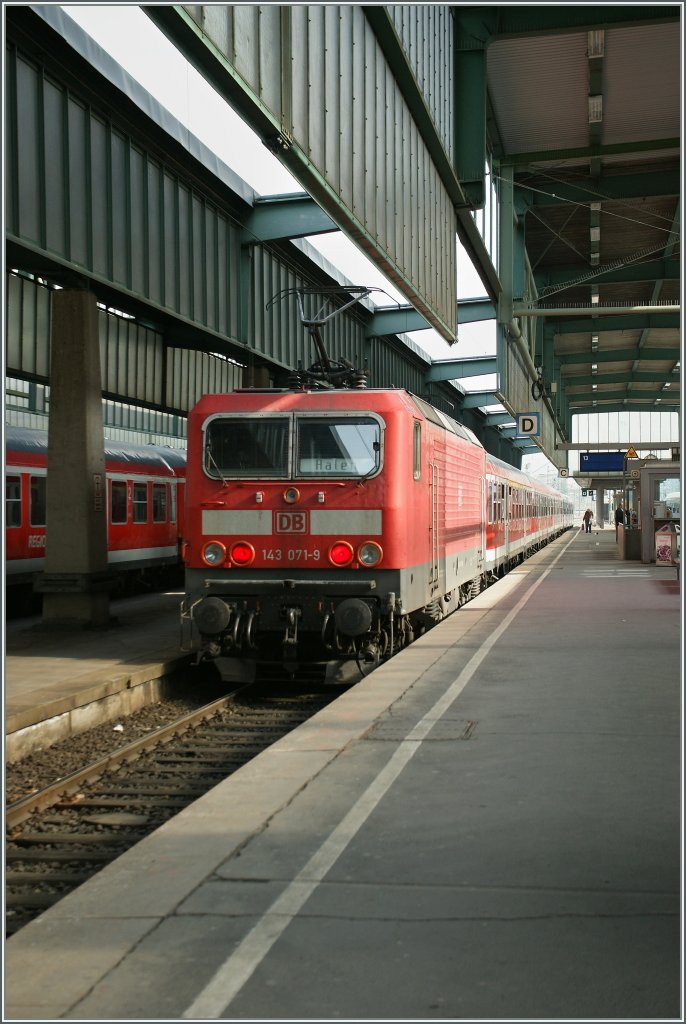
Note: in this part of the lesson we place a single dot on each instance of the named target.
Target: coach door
(434, 570)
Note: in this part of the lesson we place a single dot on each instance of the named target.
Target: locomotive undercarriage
(347, 627)
(360, 631)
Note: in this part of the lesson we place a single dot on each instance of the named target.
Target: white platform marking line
(239, 967)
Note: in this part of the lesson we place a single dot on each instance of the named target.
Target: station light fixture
(596, 43)
(595, 109)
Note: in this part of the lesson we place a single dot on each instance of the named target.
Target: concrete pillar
(75, 581)
(599, 501)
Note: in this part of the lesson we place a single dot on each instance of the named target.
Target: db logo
(291, 522)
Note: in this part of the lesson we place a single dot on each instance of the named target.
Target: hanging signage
(528, 424)
(601, 462)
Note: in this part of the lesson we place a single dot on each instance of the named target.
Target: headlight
(369, 553)
(213, 553)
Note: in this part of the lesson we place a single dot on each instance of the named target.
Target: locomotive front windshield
(331, 447)
(292, 447)
(243, 447)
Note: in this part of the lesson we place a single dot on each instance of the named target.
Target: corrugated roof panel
(641, 86)
(531, 81)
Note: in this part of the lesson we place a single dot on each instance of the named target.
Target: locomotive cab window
(338, 447)
(246, 447)
(12, 501)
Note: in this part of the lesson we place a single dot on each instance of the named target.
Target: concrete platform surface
(488, 827)
(50, 671)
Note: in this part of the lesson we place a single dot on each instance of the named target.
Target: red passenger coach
(145, 507)
(336, 525)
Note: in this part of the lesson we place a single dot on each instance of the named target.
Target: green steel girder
(616, 378)
(619, 396)
(470, 95)
(470, 311)
(486, 23)
(631, 405)
(654, 270)
(672, 242)
(591, 152)
(495, 419)
(606, 187)
(403, 318)
(289, 216)
(455, 369)
(394, 320)
(477, 399)
(523, 444)
(620, 355)
(596, 325)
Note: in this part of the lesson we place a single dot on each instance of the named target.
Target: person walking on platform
(588, 520)
(619, 518)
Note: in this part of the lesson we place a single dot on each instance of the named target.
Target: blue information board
(601, 462)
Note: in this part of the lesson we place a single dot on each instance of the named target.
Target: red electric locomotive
(336, 525)
(145, 507)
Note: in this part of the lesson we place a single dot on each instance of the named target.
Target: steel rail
(22, 809)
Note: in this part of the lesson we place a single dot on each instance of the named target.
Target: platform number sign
(528, 424)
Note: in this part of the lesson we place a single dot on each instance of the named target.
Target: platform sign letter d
(529, 424)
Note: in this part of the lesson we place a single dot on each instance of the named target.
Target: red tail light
(242, 553)
(341, 553)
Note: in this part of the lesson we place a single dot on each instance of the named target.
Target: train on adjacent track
(145, 512)
(336, 525)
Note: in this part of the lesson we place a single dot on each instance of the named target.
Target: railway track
(62, 834)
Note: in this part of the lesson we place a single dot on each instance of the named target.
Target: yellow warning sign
(631, 454)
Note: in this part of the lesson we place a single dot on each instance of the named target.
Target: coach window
(118, 501)
(12, 501)
(37, 501)
(140, 503)
(417, 451)
(338, 447)
(159, 503)
(247, 447)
